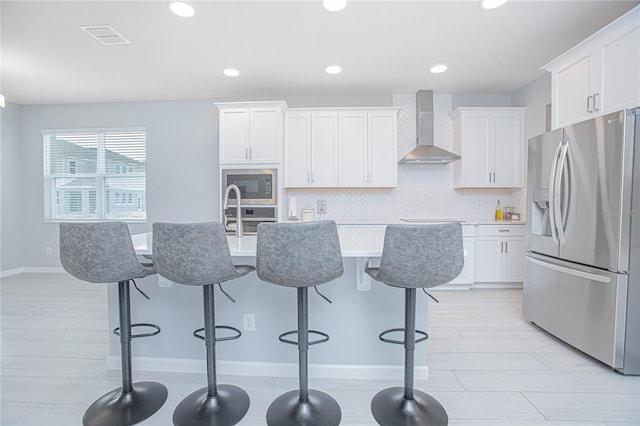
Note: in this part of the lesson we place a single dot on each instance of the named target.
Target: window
(95, 174)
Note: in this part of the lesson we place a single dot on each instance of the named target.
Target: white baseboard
(34, 270)
(270, 369)
(10, 272)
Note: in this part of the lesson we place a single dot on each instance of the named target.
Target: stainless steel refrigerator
(582, 269)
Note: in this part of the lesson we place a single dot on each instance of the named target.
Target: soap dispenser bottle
(498, 212)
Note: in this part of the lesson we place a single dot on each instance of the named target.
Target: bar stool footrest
(116, 330)
(237, 333)
(382, 335)
(324, 338)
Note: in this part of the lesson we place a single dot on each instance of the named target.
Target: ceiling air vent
(105, 34)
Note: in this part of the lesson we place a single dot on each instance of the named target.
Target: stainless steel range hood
(425, 151)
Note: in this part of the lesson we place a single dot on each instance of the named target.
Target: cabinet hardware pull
(504, 230)
(589, 100)
(246, 153)
(501, 247)
(596, 101)
(506, 246)
(489, 177)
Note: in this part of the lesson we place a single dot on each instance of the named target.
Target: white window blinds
(95, 174)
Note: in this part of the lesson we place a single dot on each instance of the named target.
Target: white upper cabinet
(251, 133)
(349, 148)
(599, 75)
(311, 149)
(490, 142)
(368, 149)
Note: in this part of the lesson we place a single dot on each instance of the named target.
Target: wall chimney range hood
(426, 152)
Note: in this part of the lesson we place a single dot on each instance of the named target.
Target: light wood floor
(488, 366)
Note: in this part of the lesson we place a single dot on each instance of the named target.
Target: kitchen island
(358, 313)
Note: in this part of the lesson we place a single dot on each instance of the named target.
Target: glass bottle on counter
(498, 212)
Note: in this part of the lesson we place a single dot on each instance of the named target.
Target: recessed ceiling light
(182, 8)
(231, 72)
(439, 68)
(493, 4)
(333, 69)
(334, 5)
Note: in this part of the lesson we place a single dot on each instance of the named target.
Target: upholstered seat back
(298, 254)
(100, 252)
(421, 255)
(193, 253)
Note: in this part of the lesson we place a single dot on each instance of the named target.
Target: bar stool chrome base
(390, 408)
(118, 408)
(320, 410)
(227, 408)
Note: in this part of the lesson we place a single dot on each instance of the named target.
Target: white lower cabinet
(499, 253)
(466, 276)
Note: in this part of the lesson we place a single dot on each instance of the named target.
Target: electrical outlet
(322, 206)
(49, 250)
(248, 321)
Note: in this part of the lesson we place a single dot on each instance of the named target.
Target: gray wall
(536, 97)
(11, 192)
(182, 155)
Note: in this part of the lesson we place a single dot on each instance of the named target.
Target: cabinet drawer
(500, 230)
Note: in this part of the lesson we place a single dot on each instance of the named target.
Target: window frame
(96, 208)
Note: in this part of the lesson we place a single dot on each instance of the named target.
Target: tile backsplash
(423, 191)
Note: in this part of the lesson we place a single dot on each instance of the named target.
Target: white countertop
(365, 244)
(354, 241)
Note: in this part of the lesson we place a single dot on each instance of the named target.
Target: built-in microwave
(257, 186)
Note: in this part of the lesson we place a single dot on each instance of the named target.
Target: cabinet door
(476, 152)
(573, 84)
(487, 262)
(234, 136)
(297, 154)
(353, 149)
(508, 149)
(513, 257)
(466, 276)
(264, 135)
(324, 149)
(382, 163)
(621, 73)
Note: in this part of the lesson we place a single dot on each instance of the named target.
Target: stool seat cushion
(298, 254)
(100, 252)
(194, 253)
(417, 256)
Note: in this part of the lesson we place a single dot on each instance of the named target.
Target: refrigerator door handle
(552, 191)
(557, 192)
(574, 272)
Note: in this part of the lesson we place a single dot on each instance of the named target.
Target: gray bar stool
(103, 253)
(198, 254)
(300, 255)
(414, 256)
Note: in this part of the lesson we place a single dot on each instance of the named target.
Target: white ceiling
(282, 47)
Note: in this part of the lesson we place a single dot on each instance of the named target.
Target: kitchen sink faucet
(225, 204)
